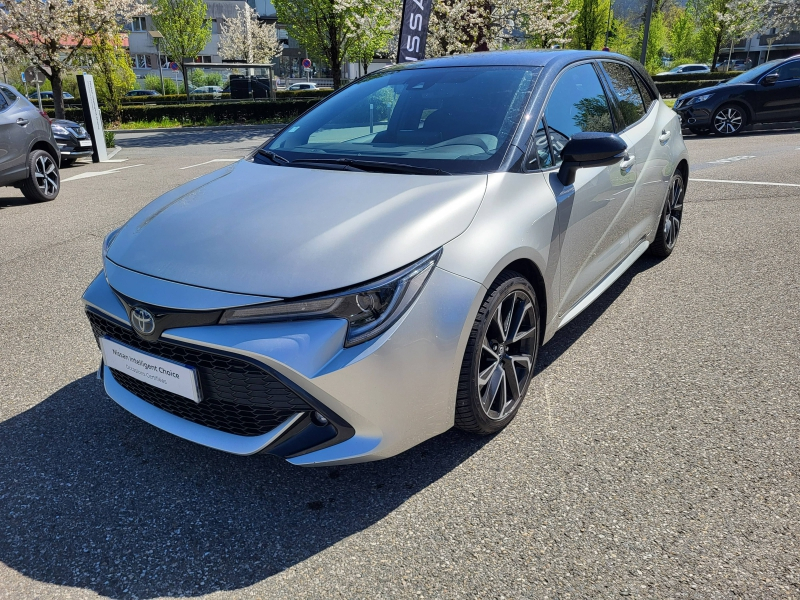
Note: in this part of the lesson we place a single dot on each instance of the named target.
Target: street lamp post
(157, 37)
(645, 38)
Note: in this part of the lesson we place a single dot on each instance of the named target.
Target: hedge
(199, 112)
(696, 76)
(673, 89)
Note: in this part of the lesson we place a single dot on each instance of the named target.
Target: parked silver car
(390, 263)
(28, 151)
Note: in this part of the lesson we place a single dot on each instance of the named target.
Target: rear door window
(577, 103)
(624, 87)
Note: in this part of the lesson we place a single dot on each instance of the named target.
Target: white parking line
(211, 161)
(730, 160)
(98, 173)
(746, 182)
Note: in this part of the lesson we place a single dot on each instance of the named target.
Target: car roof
(526, 58)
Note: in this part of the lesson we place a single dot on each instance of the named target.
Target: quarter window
(788, 71)
(625, 89)
(539, 154)
(577, 103)
(3, 103)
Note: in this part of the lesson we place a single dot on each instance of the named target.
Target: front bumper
(381, 397)
(71, 148)
(695, 116)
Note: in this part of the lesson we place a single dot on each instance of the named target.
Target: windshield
(754, 73)
(456, 119)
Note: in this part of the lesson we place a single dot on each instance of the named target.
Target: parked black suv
(72, 139)
(28, 152)
(768, 93)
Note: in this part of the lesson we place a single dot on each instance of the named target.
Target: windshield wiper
(276, 158)
(372, 165)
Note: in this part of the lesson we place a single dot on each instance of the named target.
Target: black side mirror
(770, 79)
(589, 149)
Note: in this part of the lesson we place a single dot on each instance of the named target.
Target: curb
(201, 128)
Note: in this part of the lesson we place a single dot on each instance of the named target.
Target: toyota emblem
(143, 321)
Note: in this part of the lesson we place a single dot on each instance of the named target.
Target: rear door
(637, 118)
(594, 211)
(780, 101)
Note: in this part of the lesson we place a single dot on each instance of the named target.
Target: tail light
(46, 116)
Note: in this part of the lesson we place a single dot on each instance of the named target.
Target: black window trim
(610, 91)
(542, 109)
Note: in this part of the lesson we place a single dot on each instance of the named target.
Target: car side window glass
(627, 92)
(9, 93)
(789, 71)
(539, 153)
(3, 102)
(647, 93)
(577, 104)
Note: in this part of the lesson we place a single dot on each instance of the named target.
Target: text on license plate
(158, 372)
(84, 142)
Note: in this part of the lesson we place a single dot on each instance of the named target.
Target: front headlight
(59, 130)
(369, 310)
(109, 238)
(698, 99)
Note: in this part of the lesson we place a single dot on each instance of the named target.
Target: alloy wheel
(507, 355)
(728, 120)
(674, 208)
(46, 175)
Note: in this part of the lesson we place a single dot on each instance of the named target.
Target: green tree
(373, 25)
(111, 66)
(185, 28)
(322, 27)
(590, 23)
(682, 35)
(729, 20)
(656, 43)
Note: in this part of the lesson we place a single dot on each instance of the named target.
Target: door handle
(22, 122)
(664, 137)
(627, 164)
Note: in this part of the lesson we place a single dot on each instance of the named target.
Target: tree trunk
(58, 93)
(185, 79)
(717, 44)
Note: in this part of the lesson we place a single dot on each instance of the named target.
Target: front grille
(238, 396)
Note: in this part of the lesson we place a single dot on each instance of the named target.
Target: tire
(729, 119)
(669, 225)
(43, 182)
(67, 162)
(503, 343)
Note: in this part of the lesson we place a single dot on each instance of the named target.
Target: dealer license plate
(84, 142)
(164, 374)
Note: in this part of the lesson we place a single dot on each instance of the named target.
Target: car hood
(64, 123)
(286, 232)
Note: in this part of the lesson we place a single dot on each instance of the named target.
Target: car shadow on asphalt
(187, 137)
(15, 201)
(94, 498)
(571, 333)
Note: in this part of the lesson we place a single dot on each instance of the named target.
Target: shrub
(670, 89)
(698, 76)
(206, 112)
(153, 82)
(109, 137)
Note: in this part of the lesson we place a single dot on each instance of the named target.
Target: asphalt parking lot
(656, 455)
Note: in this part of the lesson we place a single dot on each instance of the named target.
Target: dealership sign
(413, 30)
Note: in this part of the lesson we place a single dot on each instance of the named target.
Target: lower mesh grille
(238, 397)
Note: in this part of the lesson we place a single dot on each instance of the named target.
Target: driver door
(595, 211)
(781, 100)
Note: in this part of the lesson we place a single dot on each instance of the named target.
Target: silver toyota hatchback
(389, 265)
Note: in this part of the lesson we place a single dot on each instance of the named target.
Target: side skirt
(604, 283)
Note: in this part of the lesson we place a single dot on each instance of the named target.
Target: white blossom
(245, 38)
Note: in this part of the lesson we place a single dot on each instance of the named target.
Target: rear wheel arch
(42, 145)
